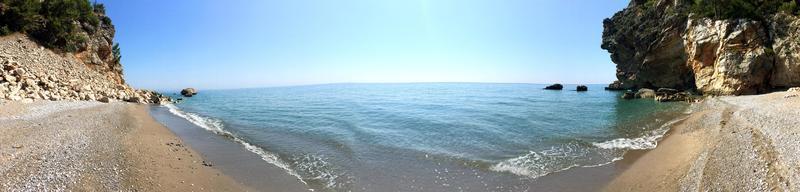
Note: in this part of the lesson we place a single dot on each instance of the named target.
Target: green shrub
(736, 9)
(789, 7)
(51, 22)
(117, 53)
(99, 8)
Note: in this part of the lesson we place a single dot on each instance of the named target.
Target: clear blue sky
(257, 43)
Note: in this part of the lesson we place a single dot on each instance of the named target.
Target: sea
(429, 136)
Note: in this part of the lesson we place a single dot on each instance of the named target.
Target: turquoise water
(430, 136)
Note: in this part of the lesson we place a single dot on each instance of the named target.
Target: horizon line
(355, 83)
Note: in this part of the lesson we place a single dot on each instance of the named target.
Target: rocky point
(660, 44)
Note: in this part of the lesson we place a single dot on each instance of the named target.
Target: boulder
(616, 86)
(645, 93)
(189, 92)
(135, 99)
(673, 96)
(667, 91)
(582, 88)
(628, 95)
(105, 100)
(555, 87)
(9, 78)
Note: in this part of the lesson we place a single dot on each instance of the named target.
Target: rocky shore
(91, 146)
(744, 143)
(31, 72)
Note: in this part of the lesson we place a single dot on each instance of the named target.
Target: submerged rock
(555, 87)
(582, 88)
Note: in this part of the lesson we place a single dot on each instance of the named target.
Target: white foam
(647, 141)
(535, 164)
(216, 127)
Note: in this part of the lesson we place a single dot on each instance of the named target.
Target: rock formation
(645, 93)
(189, 92)
(615, 86)
(582, 88)
(660, 44)
(629, 95)
(554, 87)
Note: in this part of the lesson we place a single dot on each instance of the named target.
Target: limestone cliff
(660, 43)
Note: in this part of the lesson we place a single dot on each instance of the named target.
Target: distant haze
(240, 43)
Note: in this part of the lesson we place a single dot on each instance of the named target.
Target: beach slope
(91, 146)
(745, 143)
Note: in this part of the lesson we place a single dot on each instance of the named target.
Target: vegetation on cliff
(55, 24)
(738, 9)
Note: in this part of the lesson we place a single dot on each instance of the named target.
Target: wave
(559, 158)
(536, 164)
(647, 141)
(311, 168)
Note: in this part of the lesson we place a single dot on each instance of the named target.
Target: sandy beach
(744, 143)
(91, 146)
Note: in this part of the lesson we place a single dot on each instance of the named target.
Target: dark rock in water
(667, 91)
(628, 95)
(668, 95)
(645, 93)
(189, 92)
(555, 87)
(582, 88)
(616, 86)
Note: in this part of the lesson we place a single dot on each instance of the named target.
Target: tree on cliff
(735, 9)
(54, 23)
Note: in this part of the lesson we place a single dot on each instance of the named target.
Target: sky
(212, 44)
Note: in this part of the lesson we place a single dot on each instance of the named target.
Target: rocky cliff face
(97, 52)
(657, 43)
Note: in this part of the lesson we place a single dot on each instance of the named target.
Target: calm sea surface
(429, 136)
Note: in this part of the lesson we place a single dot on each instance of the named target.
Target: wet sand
(90, 146)
(745, 143)
(230, 157)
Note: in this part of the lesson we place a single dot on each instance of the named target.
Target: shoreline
(91, 146)
(745, 143)
(229, 156)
